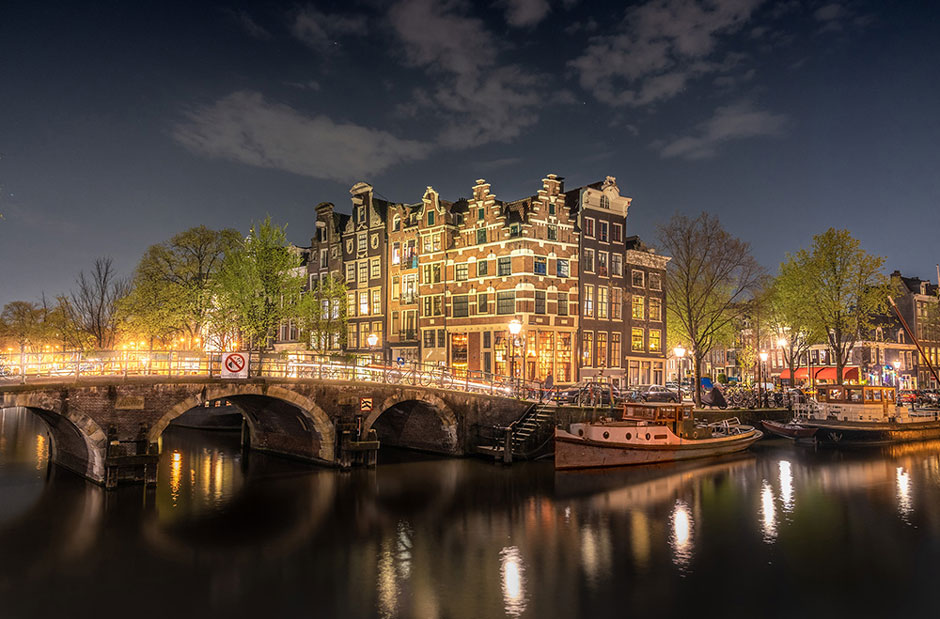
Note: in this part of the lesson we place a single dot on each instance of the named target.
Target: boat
(791, 430)
(648, 433)
(864, 414)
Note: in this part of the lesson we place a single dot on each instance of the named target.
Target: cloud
(836, 17)
(658, 48)
(478, 100)
(319, 30)
(525, 13)
(249, 25)
(732, 122)
(245, 127)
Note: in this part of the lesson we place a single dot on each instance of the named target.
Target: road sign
(234, 365)
(365, 405)
(401, 361)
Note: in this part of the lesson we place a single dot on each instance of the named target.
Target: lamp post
(760, 379)
(679, 352)
(373, 340)
(515, 327)
(782, 345)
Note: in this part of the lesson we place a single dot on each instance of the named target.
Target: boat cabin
(857, 402)
(676, 417)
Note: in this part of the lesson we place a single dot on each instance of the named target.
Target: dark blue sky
(122, 123)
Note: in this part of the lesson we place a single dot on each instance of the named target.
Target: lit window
(637, 338)
(638, 307)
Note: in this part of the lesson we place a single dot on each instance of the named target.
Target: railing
(39, 367)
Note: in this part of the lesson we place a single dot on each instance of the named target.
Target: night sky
(122, 123)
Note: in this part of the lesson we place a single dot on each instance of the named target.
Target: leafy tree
(843, 287)
(321, 314)
(791, 317)
(22, 323)
(259, 283)
(709, 277)
(172, 285)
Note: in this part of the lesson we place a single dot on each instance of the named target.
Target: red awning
(824, 373)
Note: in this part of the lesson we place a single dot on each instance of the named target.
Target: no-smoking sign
(234, 365)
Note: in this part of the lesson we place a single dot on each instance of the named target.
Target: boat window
(876, 394)
(869, 394)
(835, 395)
(854, 395)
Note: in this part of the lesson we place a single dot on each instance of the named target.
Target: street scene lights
(373, 339)
(897, 377)
(515, 327)
(760, 379)
(679, 352)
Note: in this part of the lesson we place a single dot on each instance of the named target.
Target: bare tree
(92, 307)
(708, 280)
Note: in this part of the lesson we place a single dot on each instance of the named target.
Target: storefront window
(563, 366)
(587, 349)
(458, 350)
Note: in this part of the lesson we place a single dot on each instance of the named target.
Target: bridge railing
(42, 367)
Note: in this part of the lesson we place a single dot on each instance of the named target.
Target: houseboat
(847, 414)
(648, 433)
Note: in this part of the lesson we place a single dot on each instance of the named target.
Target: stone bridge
(99, 425)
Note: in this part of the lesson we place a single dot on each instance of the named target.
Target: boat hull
(791, 431)
(575, 452)
(873, 433)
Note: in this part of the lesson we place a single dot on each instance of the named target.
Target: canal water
(781, 531)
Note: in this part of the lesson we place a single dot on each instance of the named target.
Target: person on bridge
(547, 387)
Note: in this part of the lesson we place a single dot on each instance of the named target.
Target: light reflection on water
(230, 534)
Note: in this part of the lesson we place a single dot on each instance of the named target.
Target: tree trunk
(698, 382)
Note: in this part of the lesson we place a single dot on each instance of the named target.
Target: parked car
(589, 392)
(907, 396)
(655, 393)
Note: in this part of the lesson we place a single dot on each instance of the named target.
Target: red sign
(234, 365)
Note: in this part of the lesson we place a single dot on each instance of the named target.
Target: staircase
(526, 436)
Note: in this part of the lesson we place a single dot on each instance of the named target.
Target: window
(602, 263)
(506, 302)
(487, 339)
(462, 272)
(396, 287)
(615, 350)
(656, 281)
(561, 268)
(352, 337)
(375, 268)
(637, 339)
(589, 301)
(616, 265)
(552, 232)
(616, 303)
(656, 309)
(441, 335)
(362, 240)
(481, 235)
(376, 302)
(589, 227)
(350, 272)
(638, 307)
(504, 266)
(616, 235)
(482, 268)
(432, 273)
(483, 305)
(396, 253)
(601, 304)
(587, 349)
(655, 340)
(409, 288)
(605, 202)
(433, 305)
(364, 272)
(436, 240)
(429, 338)
(541, 266)
(602, 349)
(351, 303)
(461, 306)
(430, 218)
(323, 262)
(638, 279)
(551, 208)
(396, 223)
(562, 309)
(481, 213)
(514, 230)
(375, 241)
(588, 260)
(539, 301)
(364, 303)
(602, 228)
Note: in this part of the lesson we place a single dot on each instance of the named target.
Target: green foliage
(22, 323)
(259, 284)
(321, 314)
(843, 288)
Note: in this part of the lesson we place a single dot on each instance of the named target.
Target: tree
(321, 314)
(259, 283)
(843, 287)
(92, 309)
(172, 285)
(791, 316)
(22, 323)
(710, 275)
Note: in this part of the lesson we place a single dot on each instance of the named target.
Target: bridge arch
(243, 397)
(77, 443)
(443, 438)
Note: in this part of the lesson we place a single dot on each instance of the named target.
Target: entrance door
(473, 357)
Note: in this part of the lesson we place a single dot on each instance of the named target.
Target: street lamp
(760, 379)
(515, 327)
(373, 339)
(897, 378)
(679, 352)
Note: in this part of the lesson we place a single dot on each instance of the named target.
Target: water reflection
(768, 513)
(904, 493)
(786, 485)
(513, 579)
(681, 539)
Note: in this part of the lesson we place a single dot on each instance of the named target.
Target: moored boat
(864, 414)
(792, 431)
(645, 434)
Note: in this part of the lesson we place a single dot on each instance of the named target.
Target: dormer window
(431, 218)
(514, 230)
(396, 223)
(605, 202)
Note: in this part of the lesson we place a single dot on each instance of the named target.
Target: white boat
(648, 433)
